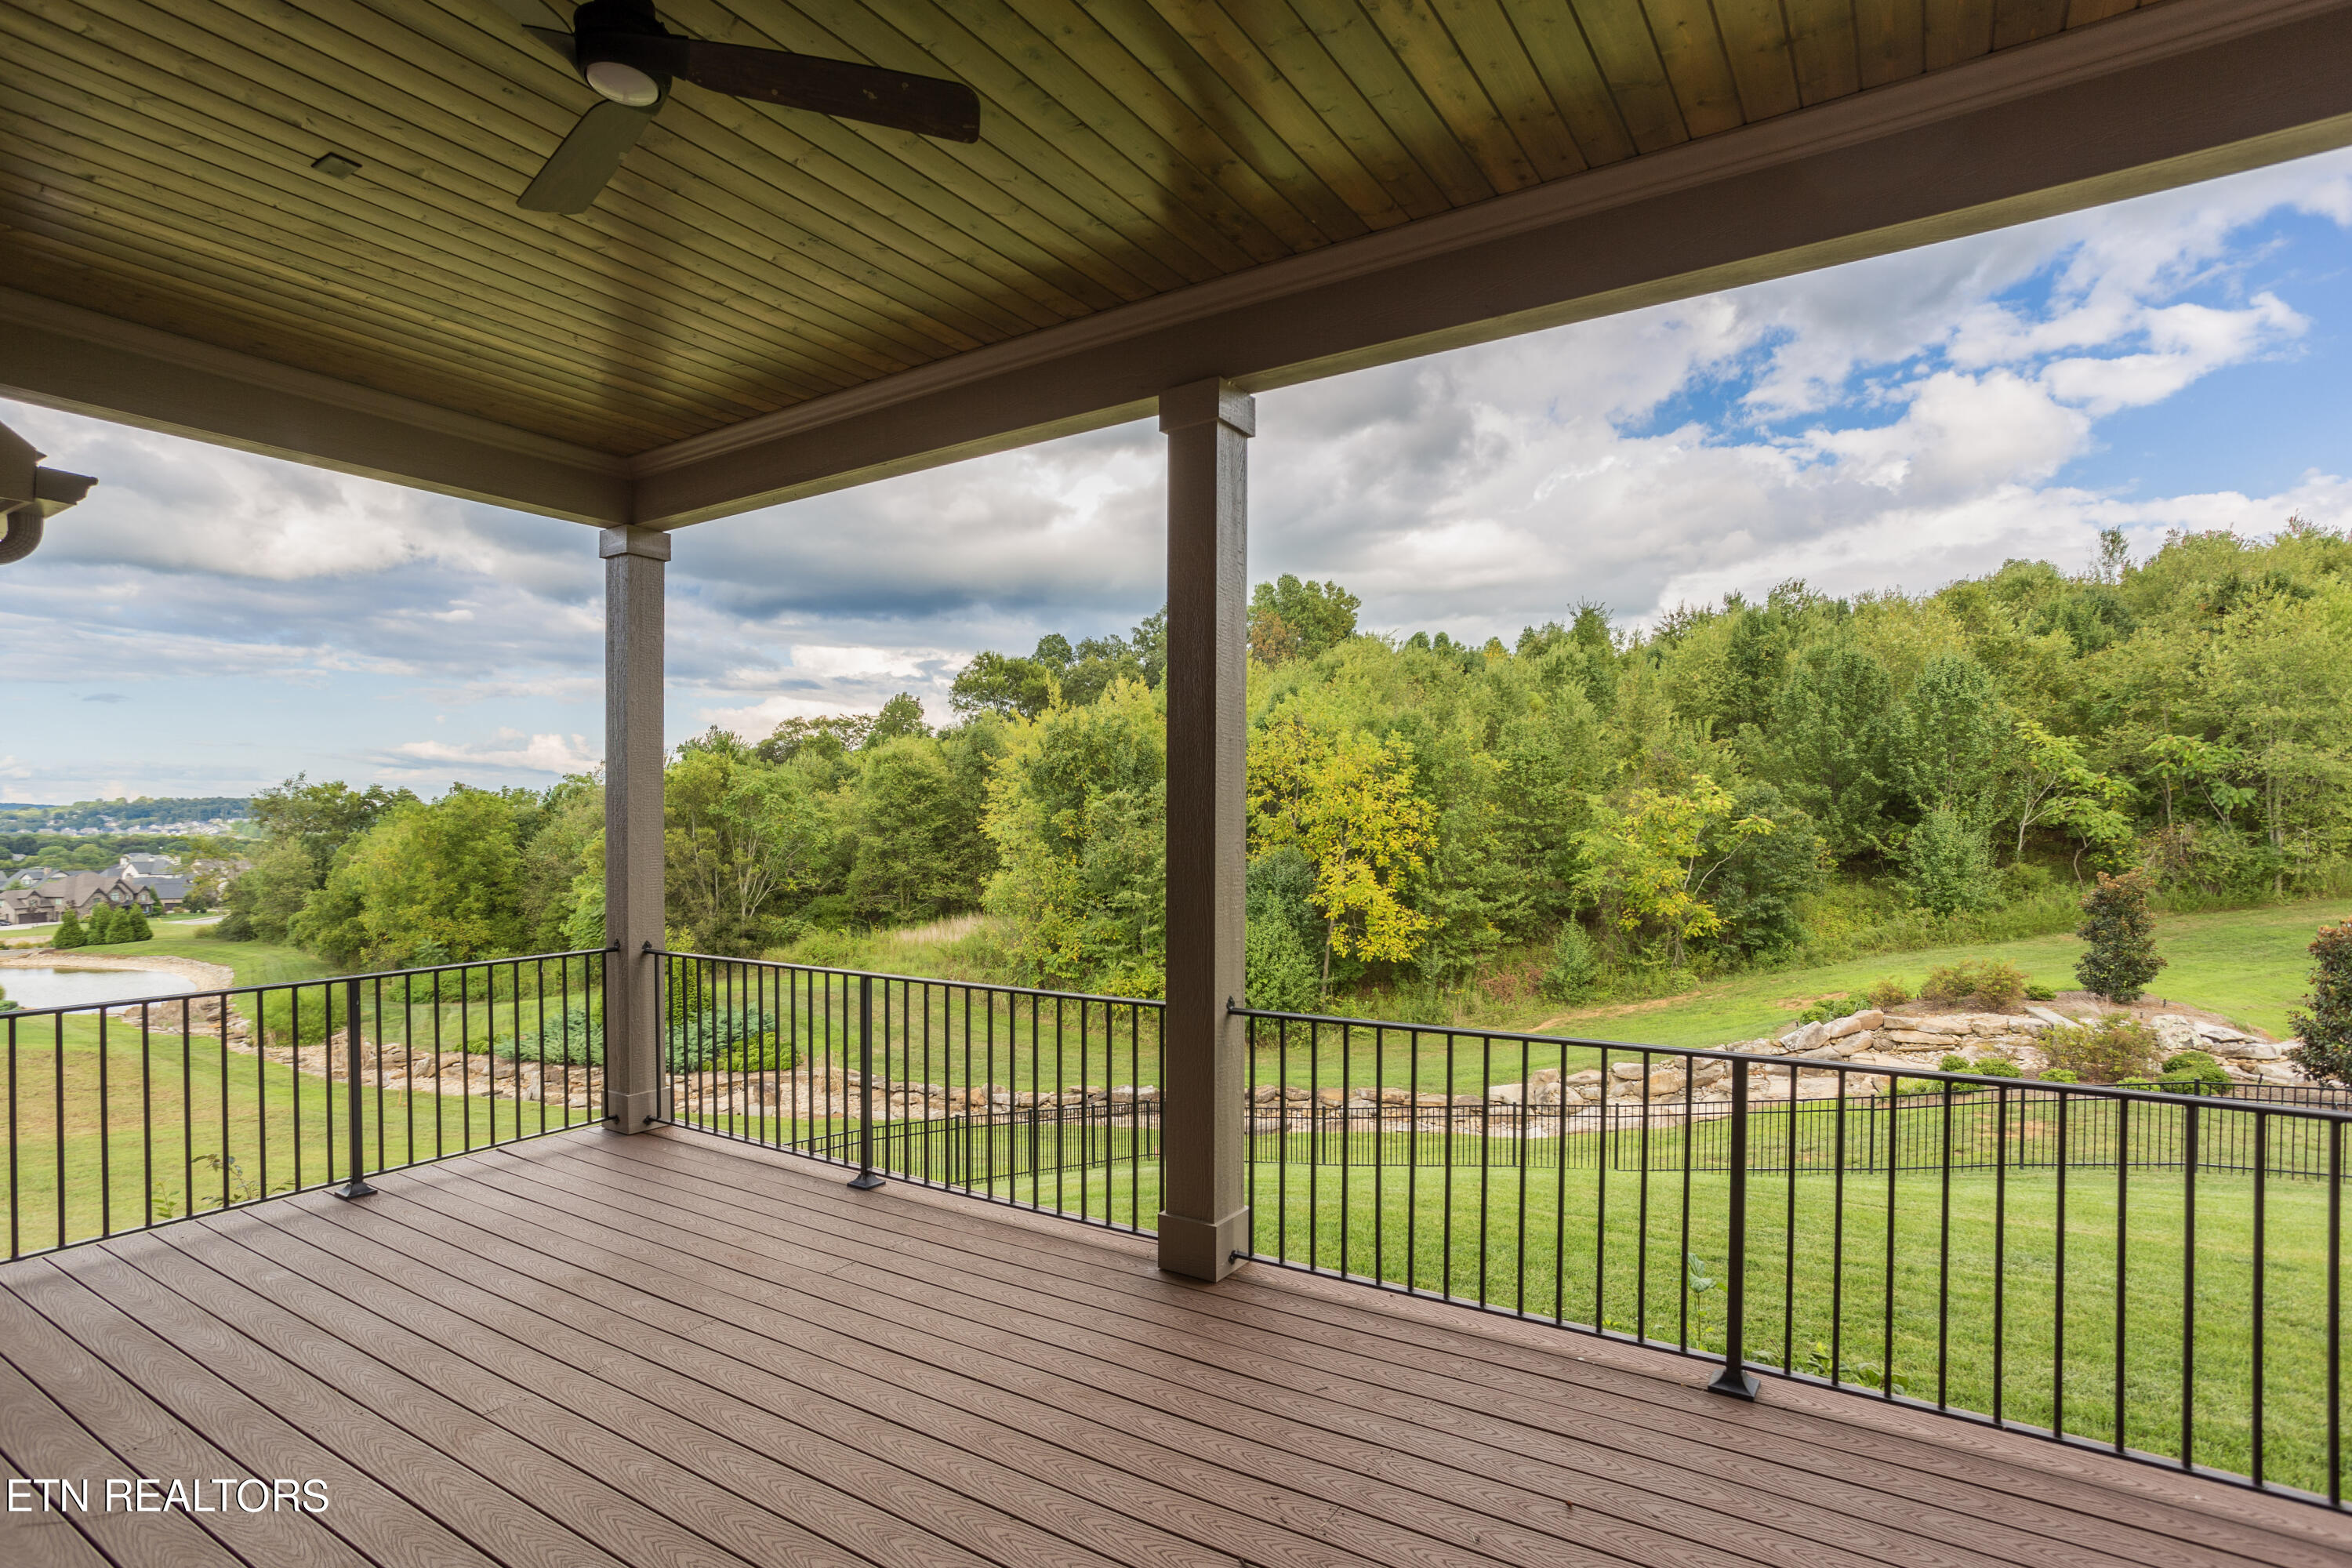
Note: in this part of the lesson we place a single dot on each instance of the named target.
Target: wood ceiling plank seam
(356, 223)
(688, 156)
(1054, 95)
(856, 211)
(409, 216)
(204, 207)
(2082, 12)
(1432, 59)
(1562, 58)
(1031, 128)
(1496, 58)
(2016, 22)
(1284, 140)
(1823, 42)
(360, 38)
(990, 176)
(1890, 40)
(1132, 89)
(210, 123)
(1050, 288)
(1141, 58)
(1628, 58)
(1292, 50)
(395, 144)
(1690, 46)
(127, 256)
(1957, 30)
(1756, 45)
(1361, 50)
(241, 322)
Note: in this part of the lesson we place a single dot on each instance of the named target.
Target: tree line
(1738, 783)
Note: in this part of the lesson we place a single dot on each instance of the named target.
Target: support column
(634, 570)
(1202, 1220)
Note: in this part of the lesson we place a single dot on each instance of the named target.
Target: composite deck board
(678, 1349)
(1854, 1440)
(1533, 1424)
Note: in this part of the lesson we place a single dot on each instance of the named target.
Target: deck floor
(589, 1350)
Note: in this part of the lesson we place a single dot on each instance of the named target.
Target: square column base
(631, 1112)
(1201, 1249)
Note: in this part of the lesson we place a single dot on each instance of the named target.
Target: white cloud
(512, 749)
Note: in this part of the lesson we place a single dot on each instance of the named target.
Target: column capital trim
(629, 539)
(1214, 401)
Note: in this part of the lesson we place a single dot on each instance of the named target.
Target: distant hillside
(119, 815)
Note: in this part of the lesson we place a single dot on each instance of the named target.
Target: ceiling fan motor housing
(610, 39)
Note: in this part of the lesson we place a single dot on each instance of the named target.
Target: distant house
(83, 892)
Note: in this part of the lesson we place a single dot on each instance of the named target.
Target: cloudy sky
(211, 622)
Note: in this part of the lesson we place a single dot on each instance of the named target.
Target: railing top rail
(226, 992)
(1150, 1002)
(1812, 1064)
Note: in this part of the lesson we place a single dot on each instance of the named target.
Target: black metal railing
(126, 1114)
(1046, 1100)
(2156, 1274)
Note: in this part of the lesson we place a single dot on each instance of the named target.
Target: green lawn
(2250, 966)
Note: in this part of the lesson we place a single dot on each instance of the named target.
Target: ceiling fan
(622, 50)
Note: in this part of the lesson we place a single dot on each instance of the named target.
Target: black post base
(356, 1187)
(867, 1181)
(1735, 1383)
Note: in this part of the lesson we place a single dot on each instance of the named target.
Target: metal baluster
(865, 1181)
(1735, 1379)
(357, 1187)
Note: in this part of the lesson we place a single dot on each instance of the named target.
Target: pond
(73, 985)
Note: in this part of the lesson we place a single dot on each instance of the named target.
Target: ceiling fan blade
(559, 40)
(577, 170)
(948, 110)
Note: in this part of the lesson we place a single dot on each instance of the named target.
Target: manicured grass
(2250, 966)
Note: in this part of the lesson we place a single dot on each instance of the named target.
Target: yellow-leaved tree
(1648, 863)
(1345, 800)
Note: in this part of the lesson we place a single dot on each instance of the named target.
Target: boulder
(1626, 1069)
(2050, 1018)
(1854, 1023)
(1804, 1037)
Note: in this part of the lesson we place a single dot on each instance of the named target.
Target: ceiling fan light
(622, 83)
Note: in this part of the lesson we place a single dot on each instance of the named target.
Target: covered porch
(636, 1342)
(671, 1350)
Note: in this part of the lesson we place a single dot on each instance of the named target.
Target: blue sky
(211, 621)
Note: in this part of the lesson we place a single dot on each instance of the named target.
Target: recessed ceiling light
(336, 167)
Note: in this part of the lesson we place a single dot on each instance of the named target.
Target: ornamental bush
(1994, 985)
(1575, 967)
(2121, 958)
(71, 933)
(2107, 1051)
(2326, 1028)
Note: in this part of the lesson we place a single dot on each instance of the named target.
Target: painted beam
(60, 356)
(2165, 96)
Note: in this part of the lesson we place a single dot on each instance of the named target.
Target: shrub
(1997, 1067)
(574, 1038)
(1993, 985)
(2058, 1075)
(1279, 971)
(1830, 1007)
(100, 931)
(1947, 866)
(1888, 993)
(2107, 1051)
(718, 1038)
(2121, 958)
(1575, 967)
(2185, 1072)
(2326, 1028)
(71, 933)
(2040, 992)
(1954, 1064)
(235, 926)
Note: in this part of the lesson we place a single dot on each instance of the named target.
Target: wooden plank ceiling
(155, 166)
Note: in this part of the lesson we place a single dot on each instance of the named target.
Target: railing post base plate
(866, 1182)
(1734, 1382)
(355, 1188)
